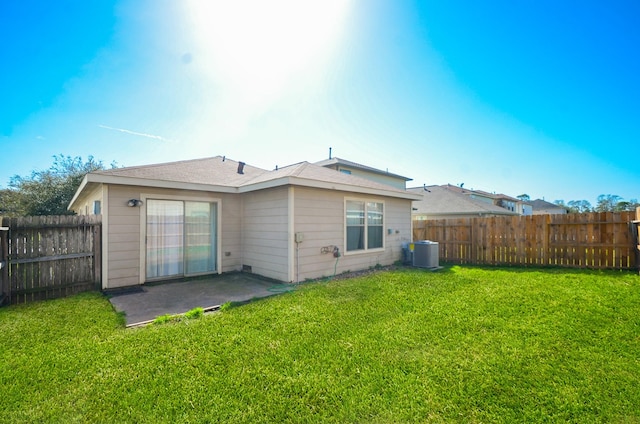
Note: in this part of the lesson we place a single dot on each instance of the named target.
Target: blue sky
(514, 97)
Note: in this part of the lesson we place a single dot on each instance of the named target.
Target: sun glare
(254, 48)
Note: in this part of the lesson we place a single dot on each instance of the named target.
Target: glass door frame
(216, 243)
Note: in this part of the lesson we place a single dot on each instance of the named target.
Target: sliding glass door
(181, 238)
(199, 237)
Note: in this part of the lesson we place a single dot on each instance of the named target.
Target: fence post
(5, 286)
(635, 225)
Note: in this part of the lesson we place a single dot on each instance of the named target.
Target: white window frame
(366, 226)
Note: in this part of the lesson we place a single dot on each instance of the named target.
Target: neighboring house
(525, 208)
(502, 200)
(352, 168)
(542, 207)
(439, 202)
(216, 215)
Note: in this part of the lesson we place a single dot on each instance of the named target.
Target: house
(542, 207)
(217, 215)
(439, 202)
(502, 200)
(352, 168)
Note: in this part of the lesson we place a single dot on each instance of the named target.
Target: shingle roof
(313, 172)
(468, 191)
(338, 161)
(440, 200)
(216, 170)
(222, 173)
(540, 204)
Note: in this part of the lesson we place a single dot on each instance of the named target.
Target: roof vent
(240, 167)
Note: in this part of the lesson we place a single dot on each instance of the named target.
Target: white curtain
(165, 238)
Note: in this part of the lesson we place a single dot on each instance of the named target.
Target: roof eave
(348, 164)
(149, 182)
(325, 185)
(76, 196)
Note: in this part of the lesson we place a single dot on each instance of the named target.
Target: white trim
(142, 273)
(292, 245)
(143, 226)
(75, 197)
(303, 182)
(105, 236)
(146, 182)
(218, 203)
(366, 235)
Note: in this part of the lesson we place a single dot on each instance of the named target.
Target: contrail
(155, 137)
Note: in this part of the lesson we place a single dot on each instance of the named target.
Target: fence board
(52, 256)
(4, 265)
(591, 240)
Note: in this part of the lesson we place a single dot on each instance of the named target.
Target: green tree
(624, 205)
(524, 197)
(47, 192)
(607, 202)
(579, 206)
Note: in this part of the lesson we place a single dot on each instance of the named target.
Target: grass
(192, 314)
(460, 345)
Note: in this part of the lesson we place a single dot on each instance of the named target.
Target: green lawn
(459, 345)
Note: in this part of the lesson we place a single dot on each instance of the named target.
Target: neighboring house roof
(222, 175)
(462, 190)
(540, 205)
(482, 193)
(501, 196)
(439, 200)
(346, 163)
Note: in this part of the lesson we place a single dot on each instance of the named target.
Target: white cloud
(139, 134)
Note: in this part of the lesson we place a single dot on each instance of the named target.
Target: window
(181, 238)
(97, 207)
(345, 171)
(364, 225)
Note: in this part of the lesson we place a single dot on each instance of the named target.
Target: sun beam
(254, 48)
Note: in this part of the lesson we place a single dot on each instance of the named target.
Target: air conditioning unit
(426, 254)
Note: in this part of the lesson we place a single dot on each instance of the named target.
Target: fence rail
(592, 240)
(50, 256)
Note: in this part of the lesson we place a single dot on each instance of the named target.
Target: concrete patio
(143, 304)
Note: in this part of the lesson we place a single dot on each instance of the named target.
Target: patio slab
(143, 304)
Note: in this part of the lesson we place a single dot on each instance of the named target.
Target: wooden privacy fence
(4, 265)
(50, 256)
(591, 240)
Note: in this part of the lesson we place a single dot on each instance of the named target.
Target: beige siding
(230, 233)
(125, 238)
(319, 215)
(256, 230)
(265, 233)
(84, 205)
(379, 178)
